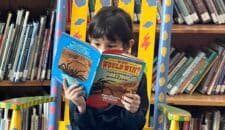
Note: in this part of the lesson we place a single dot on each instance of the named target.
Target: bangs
(103, 29)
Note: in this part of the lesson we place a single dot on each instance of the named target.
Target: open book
(107, 75)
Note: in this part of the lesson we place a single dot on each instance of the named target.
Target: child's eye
(97, 44)
(111, 46)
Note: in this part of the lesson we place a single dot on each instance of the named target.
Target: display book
(104, 75)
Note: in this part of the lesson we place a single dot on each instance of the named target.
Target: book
(184, 12)
(107, 75)
(212, 10)
(202, 10)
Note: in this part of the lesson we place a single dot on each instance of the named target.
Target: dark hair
(113, 23)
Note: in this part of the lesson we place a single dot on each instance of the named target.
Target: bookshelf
(193, 29)
(186, 29)
(35, 83)
(195, 100)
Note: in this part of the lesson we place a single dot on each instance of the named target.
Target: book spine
(49, 65)
(25, 119)
(218, 73)
(220, 81)
(69, 10)
(37, 49)
(43, 50)
(23, 54)
(212, 85)
(184, 59)
(184, 12)
(202, 11)
(219, 11)
(191, 75)
(18, 53)
(91, 8)
(137, 11)
(180, 18)
(209, 4)
(177, 75)
(15, 42)
(2, 25)
(5, 121)
(30, 54)
(175, 62)
(49, 44)
(5, 53)
(222, 6)
(186, 125)
(196, 80)
(2, 47)
(204, 85)
(34, 120)
(194, 12)
(223, 84)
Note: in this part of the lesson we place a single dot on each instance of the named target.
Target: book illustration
(115, 78)
(112, 93)
(75, 61)
(74, 65)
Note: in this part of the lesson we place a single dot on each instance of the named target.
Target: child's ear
(89, 38)
(131, 44)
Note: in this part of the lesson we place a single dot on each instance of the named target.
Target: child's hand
(131, 102)
(75, 94)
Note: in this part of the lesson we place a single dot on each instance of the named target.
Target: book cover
(116, 75)
(106, 76)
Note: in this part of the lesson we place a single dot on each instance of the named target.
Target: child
(110, 28)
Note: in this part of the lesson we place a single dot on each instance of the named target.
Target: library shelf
(195, 99)
(34, 83)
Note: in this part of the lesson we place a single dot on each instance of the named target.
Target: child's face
(103, 44)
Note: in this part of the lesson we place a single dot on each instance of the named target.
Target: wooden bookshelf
(195, 100)
(34, 83)
(193, 29)
(188, 29)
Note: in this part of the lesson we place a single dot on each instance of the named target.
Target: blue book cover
(105, 76)
(76, 61)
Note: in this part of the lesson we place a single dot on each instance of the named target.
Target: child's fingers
(132, 99)
(65, 84)
(72, 87)
(77, 91)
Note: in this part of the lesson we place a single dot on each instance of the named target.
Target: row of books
(34, 118)
(185, 11)
(208, 120)
(26, 46)
(202, 70)
(199, 11)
